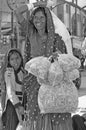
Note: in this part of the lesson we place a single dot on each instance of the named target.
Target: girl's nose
(15, 61)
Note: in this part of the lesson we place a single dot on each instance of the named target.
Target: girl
(13, 76)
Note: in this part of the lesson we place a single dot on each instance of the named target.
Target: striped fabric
(20, 95)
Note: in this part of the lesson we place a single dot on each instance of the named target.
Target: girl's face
(15, 60)
(39, 20)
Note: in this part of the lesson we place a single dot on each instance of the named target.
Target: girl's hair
(85, 32)
(21, 67)
(42, 9)
(12, 52)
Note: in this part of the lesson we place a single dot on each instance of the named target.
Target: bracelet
(50, 3)
(30, 6)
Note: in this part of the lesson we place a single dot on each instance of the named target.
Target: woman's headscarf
(50, 31)
(59, 27)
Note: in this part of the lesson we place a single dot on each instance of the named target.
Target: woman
(42, 41)
(13, 76)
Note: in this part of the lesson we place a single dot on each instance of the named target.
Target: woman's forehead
(39, 13)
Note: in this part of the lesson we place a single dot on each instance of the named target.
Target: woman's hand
(40, 3)
(55, 56)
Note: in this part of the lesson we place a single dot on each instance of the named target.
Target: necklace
(42, 43)
(42, 39)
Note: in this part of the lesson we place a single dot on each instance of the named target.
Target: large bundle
(39, 67)
(57, 93)
(55, 74)
(68, 62)
(58, 99)
(71, 75)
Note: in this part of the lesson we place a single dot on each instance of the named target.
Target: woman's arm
(27, 7)
(19, 13)
(59, 45)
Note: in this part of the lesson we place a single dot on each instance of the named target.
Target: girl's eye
(11, 59)
(17, 58)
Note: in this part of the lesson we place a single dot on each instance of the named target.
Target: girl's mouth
(38, 24)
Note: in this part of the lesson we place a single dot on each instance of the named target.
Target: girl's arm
(10, 87)
(3, 94)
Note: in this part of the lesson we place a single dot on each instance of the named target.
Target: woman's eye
(35, 18)
(17, 58)
(41, 18)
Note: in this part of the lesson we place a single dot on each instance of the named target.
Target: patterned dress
(53, 121)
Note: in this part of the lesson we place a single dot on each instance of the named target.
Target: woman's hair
(42, 9)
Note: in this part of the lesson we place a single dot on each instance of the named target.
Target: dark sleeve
(25, 27)
(3, 94)
(59, 44)
(27, 51)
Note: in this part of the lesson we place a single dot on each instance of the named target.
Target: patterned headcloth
(50, 30)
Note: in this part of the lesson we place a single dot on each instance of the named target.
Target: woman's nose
(15, 61)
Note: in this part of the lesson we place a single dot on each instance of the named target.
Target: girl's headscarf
(10, 53)
(7, 63)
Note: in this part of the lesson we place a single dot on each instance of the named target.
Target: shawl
(51, 35)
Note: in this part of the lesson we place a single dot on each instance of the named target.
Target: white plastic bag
(55, 74)
(58, 99)
(71, 75)
(38, 66)
(68, 62)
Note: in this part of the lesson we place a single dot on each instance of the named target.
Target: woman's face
(15, 60)
(39, 20)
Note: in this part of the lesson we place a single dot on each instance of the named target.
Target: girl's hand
(20, 112)
(9, 75)
(85, 123)
(9, 71)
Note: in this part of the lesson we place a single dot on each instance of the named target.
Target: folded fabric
(38, 66)
(58, 99)
(55, 74)
(71, 75)
(68, 62)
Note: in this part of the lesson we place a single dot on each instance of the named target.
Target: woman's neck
(41, 32)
